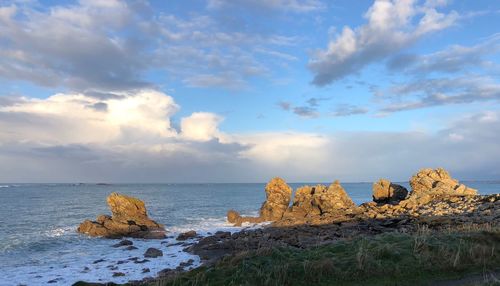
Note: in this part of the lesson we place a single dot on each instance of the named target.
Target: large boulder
(319, 200)
(129, 219)
(428, 185)
(385, 192)
(278, 196)
(439, 183)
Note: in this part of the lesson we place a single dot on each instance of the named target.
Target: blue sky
(241, 91)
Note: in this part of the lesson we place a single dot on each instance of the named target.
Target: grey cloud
(284, 105)
(99, 106)
(296, 6)
(305, 111)
(309, 110)
(468, 147)
(391, 27)
(450, 60)
(434, 92)
(348, 110)
(84, 46)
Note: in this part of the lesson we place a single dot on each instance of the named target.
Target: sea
(39, 244)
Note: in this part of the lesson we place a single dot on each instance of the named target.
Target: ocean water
(39, 243)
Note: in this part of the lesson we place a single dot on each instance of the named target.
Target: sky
(245, 90)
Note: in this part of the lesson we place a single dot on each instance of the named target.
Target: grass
(385, 259)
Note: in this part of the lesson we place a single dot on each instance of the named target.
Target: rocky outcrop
(235, 218)
(321, 200)
(429, 184)
(278, 196)
(386, 192)
(129, 219)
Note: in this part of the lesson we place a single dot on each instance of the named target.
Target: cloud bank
(129, 137)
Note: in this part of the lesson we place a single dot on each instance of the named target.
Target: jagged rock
(278, 195)
(186, 235)
(233, 217)
(384, 192)
(320, 200)
(153, 253)
(428, 184)
(129, 219)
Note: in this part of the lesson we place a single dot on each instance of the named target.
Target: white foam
(76, 263)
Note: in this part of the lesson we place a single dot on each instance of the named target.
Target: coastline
(320, 218)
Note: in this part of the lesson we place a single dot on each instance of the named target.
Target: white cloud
(74, 118)
(129, 137)
(297, 6)
(391, 26)
(201, 126)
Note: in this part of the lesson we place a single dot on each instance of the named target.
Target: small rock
(130, 247)
(124, 242)
(153, 252)
(187, 235)
(118, 274)
(141, 261)
(145, 270)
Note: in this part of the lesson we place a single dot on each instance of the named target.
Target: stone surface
(320, 200)
(153, 253)
(278, 196)
(429, 184)
(385, 192)
(187, 235)
(129, 219)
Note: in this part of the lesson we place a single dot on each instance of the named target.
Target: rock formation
(386, 192)
(429, 184)
(321, 200)
(278, 196)
(129, 219)
(235, 218)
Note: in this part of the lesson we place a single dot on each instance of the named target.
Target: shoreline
(321, 217)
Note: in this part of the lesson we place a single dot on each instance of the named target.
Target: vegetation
(385, 259)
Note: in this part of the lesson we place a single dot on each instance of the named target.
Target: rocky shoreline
(320, 215)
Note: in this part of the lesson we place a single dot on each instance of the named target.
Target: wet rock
(153, 253)
(186, 235)
(187, 263)
(141, 261)
(98, 261)
(123, 242)
(131, 247)
(234, 217)
(385, 192)
(118, 274)
(146, 270)
(129, 219)
(278, 196)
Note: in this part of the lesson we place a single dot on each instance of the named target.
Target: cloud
(114, 46)
(348, 110)
(77, 118)
(453, 59)
(308, 110)
(296, 6)
(423, 93)
(391, 26)
(200, 126)
(61, 139)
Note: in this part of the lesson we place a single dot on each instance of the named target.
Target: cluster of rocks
(321, 214)
(129, 219)
(316, 205)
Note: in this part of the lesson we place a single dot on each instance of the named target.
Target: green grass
(385, 259)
